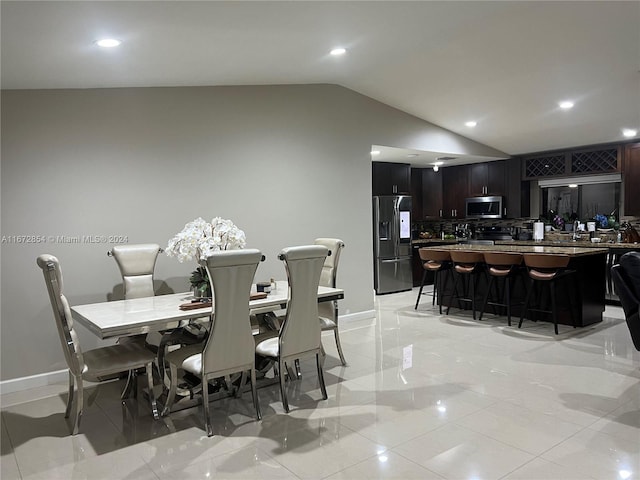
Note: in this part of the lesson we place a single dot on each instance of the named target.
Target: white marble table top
(142, 315)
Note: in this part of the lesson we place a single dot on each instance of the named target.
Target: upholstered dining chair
(328, 311)
(137, 264)
(626, 278)
(299, 334)
(92, 365)
(230, 347)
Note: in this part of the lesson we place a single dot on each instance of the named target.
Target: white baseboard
(61, 376)
(33, 381)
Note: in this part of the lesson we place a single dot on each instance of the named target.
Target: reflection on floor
(424, 396)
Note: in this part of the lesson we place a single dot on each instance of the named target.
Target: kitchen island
(586, 296)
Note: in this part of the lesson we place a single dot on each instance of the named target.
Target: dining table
(162, 312)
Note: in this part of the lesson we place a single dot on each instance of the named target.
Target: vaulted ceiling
(505, 65)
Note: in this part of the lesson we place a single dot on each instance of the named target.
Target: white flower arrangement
(199, 239)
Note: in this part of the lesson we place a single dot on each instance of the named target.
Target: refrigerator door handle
(393, 260)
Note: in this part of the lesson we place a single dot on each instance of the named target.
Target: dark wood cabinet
(416, 194)
(486, 178)
(455, 189)
(431, 194)
(517, 194)
(631, 173)
(390, 178)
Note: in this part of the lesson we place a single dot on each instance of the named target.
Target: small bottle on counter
(619, 237)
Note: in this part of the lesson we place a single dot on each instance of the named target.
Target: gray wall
(285, 163)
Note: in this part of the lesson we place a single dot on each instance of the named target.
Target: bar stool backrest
(440, 256)
(545, 261)
(502, 258)
(467, 258)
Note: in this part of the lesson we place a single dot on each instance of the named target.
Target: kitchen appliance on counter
(392, 244)
(493, 234)
(483, 207)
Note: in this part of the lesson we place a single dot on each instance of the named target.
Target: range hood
(583, 180)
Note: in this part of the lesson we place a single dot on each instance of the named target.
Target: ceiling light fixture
(436, 168)
(629, 132)
(336, 52)
(438, 163)
(566, 104)
(375, 152)
(573, 185)
(108, 42)
(471, 124)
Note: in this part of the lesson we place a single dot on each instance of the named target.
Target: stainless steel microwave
(483, 207)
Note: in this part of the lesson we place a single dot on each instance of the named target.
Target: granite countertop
(427, 241)
(519, 248)
(569, 243)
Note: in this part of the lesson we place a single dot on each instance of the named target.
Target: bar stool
(505, 266)
(467, 266)
(545, 269)
(438, 262)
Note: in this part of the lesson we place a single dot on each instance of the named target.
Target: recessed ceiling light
(436, 168)
(108, 42)
(629, 132)
(573, 185)
(566, 104)
(438, 163)
(412, 155)
(471, 124)
(338, 51)
(375, 152)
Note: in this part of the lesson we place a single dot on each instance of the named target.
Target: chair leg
(323, 387)
(473, 280)
(486, 297)
(130, 386)
(283, 392)
(173, 387)
(254, 394)
(152, 396)
(205, 406)
(454, 293)
(336, 334)
(67, 412)
(554, 311)
(79, 405)
(507, 297)
(243, 380)
(424, 277)
(442, 287)
(526, 303)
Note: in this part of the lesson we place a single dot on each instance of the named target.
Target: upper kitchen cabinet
(431, 193)
(631, 172)
(486, 178)
(517, 193)
(390, 178)
(416, 194)
(455, 189)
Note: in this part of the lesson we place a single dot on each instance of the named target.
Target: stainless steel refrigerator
(392, 244)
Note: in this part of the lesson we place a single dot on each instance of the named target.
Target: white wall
(286, 163)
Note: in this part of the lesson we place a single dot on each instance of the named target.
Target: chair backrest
(543, 261)
(330, 267)
(466, 258)
(626, 278)
(503, 258)
(300, 331)
(137, 263)
(62, 313)
(230, 343)
(439, 256)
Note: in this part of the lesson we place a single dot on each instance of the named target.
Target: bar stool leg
(486, 297)
(507, 297)
(435, 287)
(424, 277)
(554, 312)
(526, 303)
(454, 293)
(442, 287)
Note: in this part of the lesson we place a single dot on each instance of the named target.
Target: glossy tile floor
(424, 396)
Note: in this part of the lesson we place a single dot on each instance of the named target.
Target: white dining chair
(92, 365)
(328, 311)
(229, 348)
(299, 335)
(137, 265)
